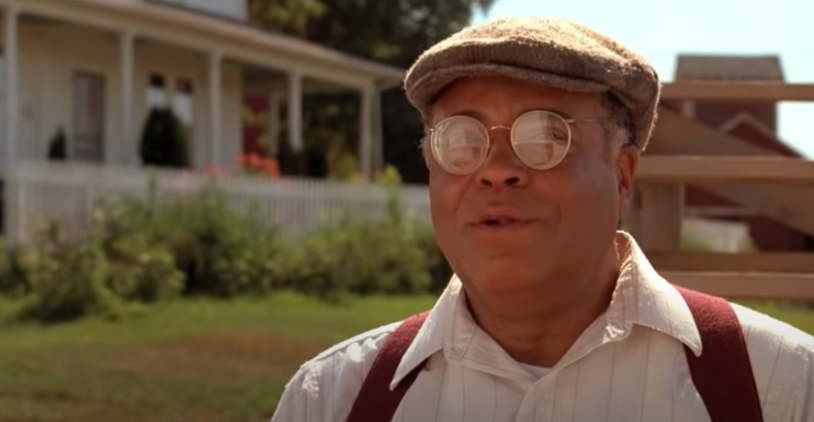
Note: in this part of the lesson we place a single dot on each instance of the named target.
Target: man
(534, 130)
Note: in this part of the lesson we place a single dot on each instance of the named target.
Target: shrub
(141, 252)
(69, 281)
(164, 140)
(384, 257)
(105, 273)
(143, 272)
(355, 257)
(223, 253)
(9, 285)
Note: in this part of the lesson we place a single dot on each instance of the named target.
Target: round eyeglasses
(539, 138)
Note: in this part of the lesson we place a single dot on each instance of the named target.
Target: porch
(92, 71)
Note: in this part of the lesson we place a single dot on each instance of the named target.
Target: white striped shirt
(629, 365)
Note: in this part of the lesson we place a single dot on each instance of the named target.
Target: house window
(156, 92)
(2, 80)
(88, 117)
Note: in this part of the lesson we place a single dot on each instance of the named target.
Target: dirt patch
(61, 409)
(240, 355)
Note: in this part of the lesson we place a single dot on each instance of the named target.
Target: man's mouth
(500, 219)
(499, 222)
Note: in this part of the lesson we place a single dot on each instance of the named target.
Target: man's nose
(502, 167)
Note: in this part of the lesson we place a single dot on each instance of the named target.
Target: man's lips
(500, 218)
(502, 223)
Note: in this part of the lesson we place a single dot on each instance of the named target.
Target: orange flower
(272, 172)
(270, 164)
(254, 160)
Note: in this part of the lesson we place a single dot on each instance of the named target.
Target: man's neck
(541, 334)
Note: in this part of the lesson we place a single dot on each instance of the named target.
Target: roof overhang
(737, 91)
(237, 39)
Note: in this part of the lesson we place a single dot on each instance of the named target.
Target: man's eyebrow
(470, 113)
(481, 117)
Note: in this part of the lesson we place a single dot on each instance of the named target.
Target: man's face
(559, 219)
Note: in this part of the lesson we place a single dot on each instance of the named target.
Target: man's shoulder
(782, 355)
(348, 359)
(361, 345)
(766, 332)
(326, 385)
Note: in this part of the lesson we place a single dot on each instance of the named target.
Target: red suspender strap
(376, 402)
(723, 373)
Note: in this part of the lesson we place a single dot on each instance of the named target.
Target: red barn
(753, 123)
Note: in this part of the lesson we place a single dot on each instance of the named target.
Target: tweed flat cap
(554, 52)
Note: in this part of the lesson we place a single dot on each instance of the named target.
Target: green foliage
(382, 257)
(360, 258)
(393, 32)
(223, 253)
(164, 140)
(139, 252)
(107, 273)
(10, 285)
(69, 281)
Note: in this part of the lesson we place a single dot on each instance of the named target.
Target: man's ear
(626, 163)
(423, 149)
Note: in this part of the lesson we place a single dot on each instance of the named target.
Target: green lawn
(191, 361)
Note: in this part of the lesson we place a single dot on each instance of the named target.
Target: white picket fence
(69, 193)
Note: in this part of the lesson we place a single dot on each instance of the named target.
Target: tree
(389, 31)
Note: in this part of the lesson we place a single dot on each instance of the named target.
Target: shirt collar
(641, 297)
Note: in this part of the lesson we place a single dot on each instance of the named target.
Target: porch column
(295, 111)
(10, 56)
(10, 188)
(215, 117)
(126, 93)
(378, 129)
(365, 132)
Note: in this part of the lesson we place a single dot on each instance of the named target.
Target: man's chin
(517, 256)
(500, 274)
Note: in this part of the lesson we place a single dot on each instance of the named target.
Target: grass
(192, 360)
(195, 360)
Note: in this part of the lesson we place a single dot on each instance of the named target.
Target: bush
(69, 281)
(143, 272)
(10, 285)
(105, 273)
(142, 252)
(391, 256)
(164, 140)
(356, 257)
(224, 253)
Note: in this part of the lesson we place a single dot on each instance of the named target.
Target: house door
(2, 99)
(88, 117)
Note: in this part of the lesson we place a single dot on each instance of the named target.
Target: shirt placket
(540, 401)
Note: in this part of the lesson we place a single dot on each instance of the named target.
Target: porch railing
(69, 193)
